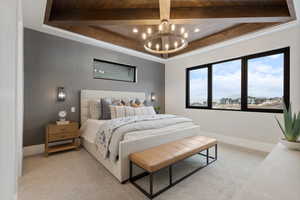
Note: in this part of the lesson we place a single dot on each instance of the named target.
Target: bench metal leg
(151, 184)
(207, 156)
(170, 175)
(130, 170)
(150, 194)
(216, 151)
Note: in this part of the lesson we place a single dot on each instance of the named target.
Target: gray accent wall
(50, 62)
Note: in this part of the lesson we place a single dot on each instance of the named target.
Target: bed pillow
(117, 111)
(94, 109)
(129, 111)
(105, 103)
(150, 110)
(144, 110)
(147, 103)
(125, 101)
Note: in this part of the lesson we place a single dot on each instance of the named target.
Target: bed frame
(120, 169)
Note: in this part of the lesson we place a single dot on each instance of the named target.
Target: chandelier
(167, 38)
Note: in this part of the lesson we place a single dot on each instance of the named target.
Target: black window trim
(244, 82)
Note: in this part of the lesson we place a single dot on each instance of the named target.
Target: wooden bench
(166, 155)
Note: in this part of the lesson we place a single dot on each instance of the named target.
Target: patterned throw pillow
(120, 111)
(117, 111)
(94, 109)
(112, 111)
(129, 111)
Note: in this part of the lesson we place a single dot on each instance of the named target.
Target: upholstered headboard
(88, 95)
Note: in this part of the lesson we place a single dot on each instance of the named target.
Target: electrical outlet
(73, 109)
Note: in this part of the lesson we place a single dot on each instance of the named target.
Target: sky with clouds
(265, 79)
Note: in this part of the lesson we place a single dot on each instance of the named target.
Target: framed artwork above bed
(113, 71)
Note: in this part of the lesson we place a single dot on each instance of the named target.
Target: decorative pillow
(117, 102)
(150, 110)
(125, 101)
(94, 109)
(141, 111)
(113, 114)
(120, 111)
(117, 111)
(147, 103)
(105, 103)
(129, 111)
(138, 102)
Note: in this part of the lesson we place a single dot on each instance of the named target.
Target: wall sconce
(61, 94)
(153, 97)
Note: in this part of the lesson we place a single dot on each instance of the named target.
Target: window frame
(244, 82)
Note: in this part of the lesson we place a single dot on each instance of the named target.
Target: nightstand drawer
(73, 127)
(62, 136)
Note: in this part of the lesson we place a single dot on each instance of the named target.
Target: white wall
(10, 87)
(257, 127)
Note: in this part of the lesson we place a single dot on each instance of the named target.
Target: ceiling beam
(164, 9)
(291, 7)
(48, 10)
(107, 17)
(148, 16)
(103, 35)
(234, 14)
(224, 35)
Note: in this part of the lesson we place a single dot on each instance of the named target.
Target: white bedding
(90, 128)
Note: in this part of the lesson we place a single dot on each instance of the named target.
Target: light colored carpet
(76, 175)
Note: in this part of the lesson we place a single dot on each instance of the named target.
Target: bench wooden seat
(161, 156)
(165, 155)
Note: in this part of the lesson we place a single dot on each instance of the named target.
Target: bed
(133, 141)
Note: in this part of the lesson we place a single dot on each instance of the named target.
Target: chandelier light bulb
(182, 41)
(182, 30)
(185, 35)
(135, 30)
(149, 44)
(144, 36)
(176, 44)
(149, 31)
(167, 46)
(160, 27)
(196, 30)
(173, 27)
(157, 46)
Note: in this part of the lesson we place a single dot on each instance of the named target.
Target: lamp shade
(153, 96)
(61, 94)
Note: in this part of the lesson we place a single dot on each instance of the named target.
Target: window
(257, 82)
(113, 71)
(198, 87)
(265, 82)
(227, 85)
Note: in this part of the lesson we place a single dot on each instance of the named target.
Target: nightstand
(58, 133)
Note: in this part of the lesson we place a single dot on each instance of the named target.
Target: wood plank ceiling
(207, 21)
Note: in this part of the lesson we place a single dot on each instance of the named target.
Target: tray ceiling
(216, 20)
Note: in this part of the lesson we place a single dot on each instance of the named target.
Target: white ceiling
(33, 16)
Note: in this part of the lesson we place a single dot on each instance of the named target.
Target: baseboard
(37, 149)
(33, 150)
(250, 144)
(241, 142)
